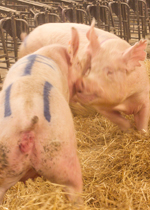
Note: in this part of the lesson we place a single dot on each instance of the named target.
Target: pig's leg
(2, 193)
(63, 169)
(5, 184)
(142, 118)
(117, 118)
(73, 179)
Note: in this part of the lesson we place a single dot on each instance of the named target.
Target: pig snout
(86, 94)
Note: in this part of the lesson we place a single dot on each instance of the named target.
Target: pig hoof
(75, 198)
(144, 131)
(78, 202)
(128, 131)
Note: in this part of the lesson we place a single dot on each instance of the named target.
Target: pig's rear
(37, 135)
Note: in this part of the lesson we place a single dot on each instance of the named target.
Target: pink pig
(37, 135)
(51, 33)
(113, 78)
(118, 81)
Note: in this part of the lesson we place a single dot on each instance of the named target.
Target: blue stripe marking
(7, 101)
(45, 60)
(27, 71)
(18, 63)
(47, 88)
(43, 56)
(46, 64)
(31, 60)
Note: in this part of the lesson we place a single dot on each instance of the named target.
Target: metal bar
(4, 46)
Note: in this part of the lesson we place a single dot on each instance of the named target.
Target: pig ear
(134, 54)
(74, 43)
(86, 64)
(94, 44)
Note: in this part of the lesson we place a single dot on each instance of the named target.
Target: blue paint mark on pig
(28, 68)
(45, 62)
(46, 91)
(29, 61)
(7, 107)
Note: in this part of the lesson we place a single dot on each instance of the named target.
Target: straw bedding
(115, 167)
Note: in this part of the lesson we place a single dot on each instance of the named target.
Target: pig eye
(108, 71)
(80, 87)
(87, 72)
(78, 65)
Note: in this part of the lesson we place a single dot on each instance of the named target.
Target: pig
(50, 33)
(118, 81)
(113, 77)
(37, 134)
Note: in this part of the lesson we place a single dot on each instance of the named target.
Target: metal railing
(129, 19)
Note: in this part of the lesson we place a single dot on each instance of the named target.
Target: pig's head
(110, 62)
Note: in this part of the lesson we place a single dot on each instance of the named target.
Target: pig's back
(26, 98)
(37, 66)
(60, 33)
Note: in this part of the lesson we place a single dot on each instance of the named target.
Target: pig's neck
(60, 57)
